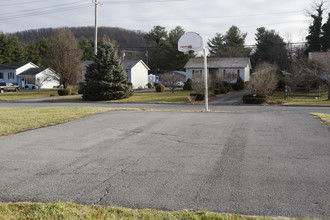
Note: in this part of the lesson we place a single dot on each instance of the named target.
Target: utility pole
(95, 31)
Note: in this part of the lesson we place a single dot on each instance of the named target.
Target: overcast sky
(207, 17)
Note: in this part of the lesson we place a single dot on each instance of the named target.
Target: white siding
(139, 76)
(25, 67)
(49, 84)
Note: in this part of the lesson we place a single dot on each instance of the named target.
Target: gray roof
(32, 72)
(234, 62)
(12, 65)
(129, 64)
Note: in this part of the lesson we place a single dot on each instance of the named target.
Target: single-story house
(225, 69)
(137, 73)
(43, 77)
(26, 73)
(181, 74)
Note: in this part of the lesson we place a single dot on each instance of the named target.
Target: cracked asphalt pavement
(271, 163)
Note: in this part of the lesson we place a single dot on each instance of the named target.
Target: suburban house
(181, 74)
(225, 69)
(27, 74)
(137, 73)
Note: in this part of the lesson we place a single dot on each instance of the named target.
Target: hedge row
(250, 99)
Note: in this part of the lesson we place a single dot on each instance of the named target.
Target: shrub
(226, 85)
(250, 99)
(198, 96)
(62, 92)
(188, 85)
(265, 81)
(221, 90)
(160, 87)
(239, 85)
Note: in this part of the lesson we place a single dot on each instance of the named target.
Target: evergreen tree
(174, 59)
(229, 45)
(156, 40)
(314, 37)
(106, 78)
(270, 48)
(11, 49)
(325, 39)
(216, 45)
(87, 46)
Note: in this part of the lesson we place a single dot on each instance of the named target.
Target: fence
(303, 92)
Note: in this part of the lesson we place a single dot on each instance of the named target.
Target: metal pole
(95, 31)
(205, 81)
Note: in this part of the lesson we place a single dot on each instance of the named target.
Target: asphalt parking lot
(256, 163)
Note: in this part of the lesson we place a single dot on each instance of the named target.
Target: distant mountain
(125, 38)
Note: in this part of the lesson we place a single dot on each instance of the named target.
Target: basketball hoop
(190, 41)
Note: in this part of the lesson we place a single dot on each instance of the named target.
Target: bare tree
(45, 78)
(265, 80)
(171, 81)
(64, 56)
(305, 72)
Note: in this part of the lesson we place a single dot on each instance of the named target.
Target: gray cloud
(206, 17)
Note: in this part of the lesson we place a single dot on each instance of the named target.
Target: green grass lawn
(25, 211)
(179, 96)
(323, 117)
(28, 94)
(279, 97)
(14, 120)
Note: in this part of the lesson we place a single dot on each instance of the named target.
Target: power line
(43, 8)
(22, 3)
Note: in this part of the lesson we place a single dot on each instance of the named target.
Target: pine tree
(106, 78)
(229, 45)
(325, 39)
(314, 37)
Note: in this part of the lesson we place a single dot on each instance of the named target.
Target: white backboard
(190, 41)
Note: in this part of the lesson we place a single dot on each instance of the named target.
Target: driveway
(271, 163)
(234, 98)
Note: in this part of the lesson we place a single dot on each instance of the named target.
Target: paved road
(256, 108)
(271, 163)
(234, 98)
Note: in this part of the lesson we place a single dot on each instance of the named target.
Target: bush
(221, 90)
(239, 85)
(226, 85)
(188, 85)
(62, 92)
(250, 99)
(160, 87)
(198, 96)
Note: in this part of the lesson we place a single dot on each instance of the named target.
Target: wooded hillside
(125, 38)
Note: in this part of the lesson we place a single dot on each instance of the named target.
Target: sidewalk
(50, 98)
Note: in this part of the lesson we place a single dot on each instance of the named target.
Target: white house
(137, 73)
(226, 69)
(45, 78)
(26, 73)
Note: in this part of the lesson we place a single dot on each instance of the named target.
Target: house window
(11, 76)
(1, 75)
(197, 74)
(238, 73)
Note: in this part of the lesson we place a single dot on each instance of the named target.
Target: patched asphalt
(256, 163)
